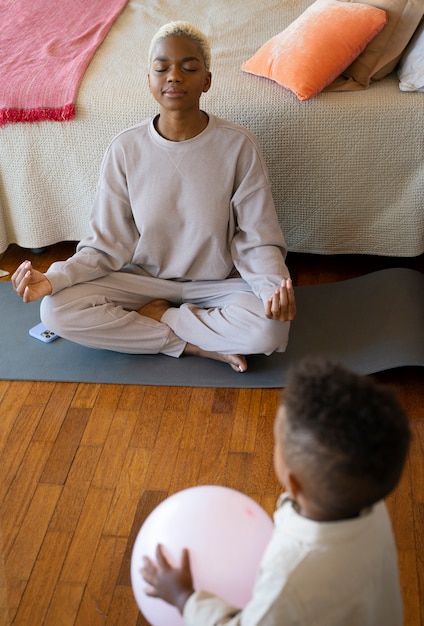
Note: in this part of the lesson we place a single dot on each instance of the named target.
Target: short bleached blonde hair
(183, 29)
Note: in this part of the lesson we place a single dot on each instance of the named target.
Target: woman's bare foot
(155, 309)
(236, 361)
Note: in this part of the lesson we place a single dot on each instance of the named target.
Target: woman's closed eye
(185, 68)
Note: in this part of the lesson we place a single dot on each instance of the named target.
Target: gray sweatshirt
(190, 210)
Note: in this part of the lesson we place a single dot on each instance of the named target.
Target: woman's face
(178, 75)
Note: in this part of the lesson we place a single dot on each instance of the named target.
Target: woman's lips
(174, 93)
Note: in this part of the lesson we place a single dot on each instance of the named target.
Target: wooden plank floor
(82, 465)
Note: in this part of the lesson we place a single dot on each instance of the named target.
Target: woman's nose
(174, 75)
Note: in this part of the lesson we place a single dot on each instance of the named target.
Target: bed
(347, 168)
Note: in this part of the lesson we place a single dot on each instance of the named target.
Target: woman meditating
(185, 254)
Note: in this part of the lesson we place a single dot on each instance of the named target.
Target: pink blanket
(45, 48)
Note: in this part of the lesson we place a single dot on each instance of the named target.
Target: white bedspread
(347, 168)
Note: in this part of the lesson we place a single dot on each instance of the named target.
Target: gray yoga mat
(370, 324)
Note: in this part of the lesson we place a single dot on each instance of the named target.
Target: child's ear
(294, 486)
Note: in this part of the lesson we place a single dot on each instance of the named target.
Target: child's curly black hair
(347, 434)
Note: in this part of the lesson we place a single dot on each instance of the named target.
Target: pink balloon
(226, 533)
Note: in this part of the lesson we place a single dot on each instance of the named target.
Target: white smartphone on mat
(42, 333)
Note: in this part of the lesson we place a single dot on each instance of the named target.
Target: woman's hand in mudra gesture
(281, 306)
(29, 283)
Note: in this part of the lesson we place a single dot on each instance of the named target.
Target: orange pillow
(310, 53)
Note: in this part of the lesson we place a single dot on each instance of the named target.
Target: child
(185, 254)
(340, 445)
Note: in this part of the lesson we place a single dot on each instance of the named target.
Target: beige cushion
(381, 55)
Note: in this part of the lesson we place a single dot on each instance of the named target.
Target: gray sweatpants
(219, 316)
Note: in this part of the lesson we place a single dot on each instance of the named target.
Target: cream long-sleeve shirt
(317, 574)
(189, 210)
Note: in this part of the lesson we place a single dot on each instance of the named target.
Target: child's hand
(172, 584)
(281, 306)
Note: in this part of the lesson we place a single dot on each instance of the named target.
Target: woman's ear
(208, 82)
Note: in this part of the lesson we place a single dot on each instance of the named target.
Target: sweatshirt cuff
(57, 279)
(203, 607)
